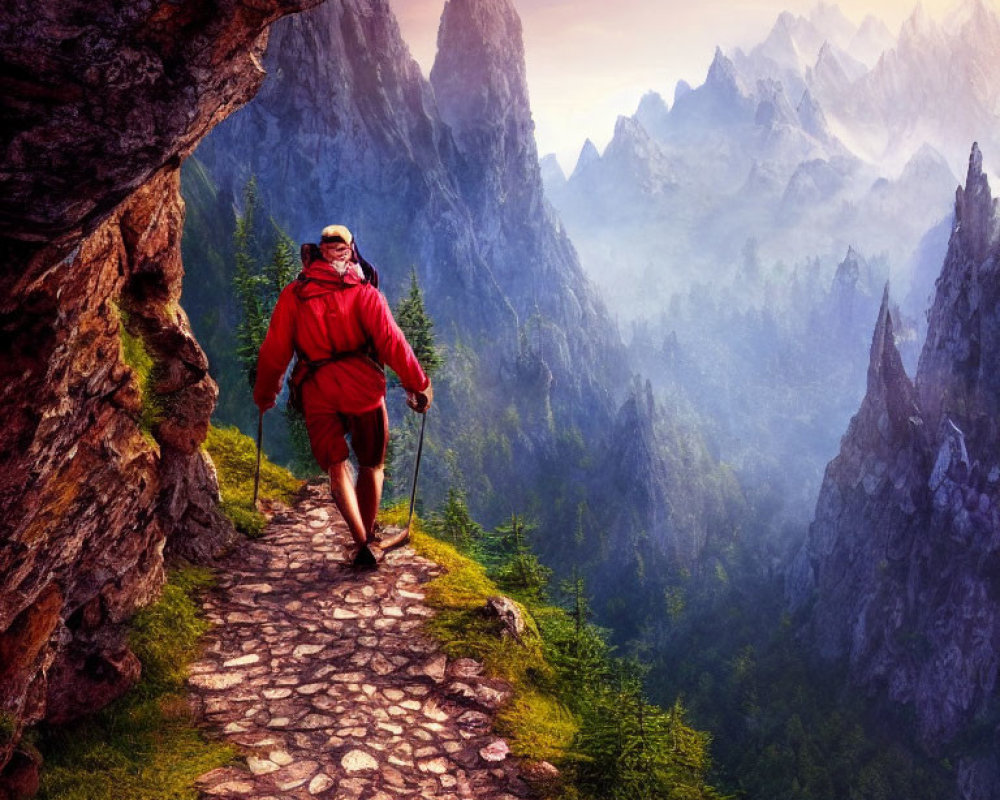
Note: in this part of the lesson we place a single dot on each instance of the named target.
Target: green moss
(165, 635)
(144, 746)
(137, 356)
(235, 455)
(8, 727)
(539, 727)
(536, 724)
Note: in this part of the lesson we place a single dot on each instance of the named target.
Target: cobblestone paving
(323, 676)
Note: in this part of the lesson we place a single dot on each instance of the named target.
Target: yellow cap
(332, 232)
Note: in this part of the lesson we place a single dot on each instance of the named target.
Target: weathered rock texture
(903, 557)
(100, 460)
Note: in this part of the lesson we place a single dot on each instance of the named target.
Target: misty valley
(709, 491)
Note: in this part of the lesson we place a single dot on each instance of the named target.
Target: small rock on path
(323, 676)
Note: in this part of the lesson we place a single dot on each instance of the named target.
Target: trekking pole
(416, 469)
(256, 473)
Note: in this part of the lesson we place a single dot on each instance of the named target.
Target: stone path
(323, 676)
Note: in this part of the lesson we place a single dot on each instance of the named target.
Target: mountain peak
(588, 155)
(890, 389)
(552, 171)
(722, 72)
(881, 338)
(811, 116)
(970, 12)
(957, 357)
(652, 102)
(829, 19)
(917, 26)
(682, 88)
(975, 209)
(653, 113)
(872, 39)
(479, 73)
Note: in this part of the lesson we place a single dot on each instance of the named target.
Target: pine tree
(258, 280)
(260, 276)
(418, 327)
(519, 570)
(633, 750)
(252, 325)
(579, 650)
(454, 524)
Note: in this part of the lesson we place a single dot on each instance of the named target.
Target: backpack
(308, 253)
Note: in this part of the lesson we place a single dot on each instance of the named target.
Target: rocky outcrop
(104, 393)
(903, 556)
(956, 376)
(481, 89)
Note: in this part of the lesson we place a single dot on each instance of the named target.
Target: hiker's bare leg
(370, 480)
(346, 499)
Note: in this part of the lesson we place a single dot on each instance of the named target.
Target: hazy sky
(589, 61)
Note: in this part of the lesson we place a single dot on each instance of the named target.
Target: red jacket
(326, 314)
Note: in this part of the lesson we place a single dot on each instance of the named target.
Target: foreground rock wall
(105, 396)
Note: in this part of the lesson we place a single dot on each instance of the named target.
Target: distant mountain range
(823, 136)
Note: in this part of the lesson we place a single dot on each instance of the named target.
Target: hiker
(340, 327)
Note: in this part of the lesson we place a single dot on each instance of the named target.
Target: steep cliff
(903, 556)
(482, 93)
(104, 393)
(346, 128)
(443, 176)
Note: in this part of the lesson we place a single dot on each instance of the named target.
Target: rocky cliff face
(481, 89)
(346, 128)
(104, 393)
(443, 176)
(903, 556)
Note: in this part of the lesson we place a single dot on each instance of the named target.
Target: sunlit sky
(590, 61)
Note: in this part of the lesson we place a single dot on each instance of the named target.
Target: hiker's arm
(391, 344)
(275, 352)
(421, 401)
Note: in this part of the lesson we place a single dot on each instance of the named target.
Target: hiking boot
(365, 559)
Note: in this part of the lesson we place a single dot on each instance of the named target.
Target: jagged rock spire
(887, 377)
(588, 156)
(951, 373)
(653, 113)
(479, 74)
(907, 515)
(975, 210)
(722, 73)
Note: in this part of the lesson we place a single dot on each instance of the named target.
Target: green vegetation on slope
(573, 704)
(785, 725)
(144, 746)
(235, 458)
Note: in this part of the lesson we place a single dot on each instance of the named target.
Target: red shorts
(328, 431)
